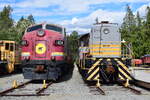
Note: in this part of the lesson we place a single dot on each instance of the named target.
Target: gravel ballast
(72, 89)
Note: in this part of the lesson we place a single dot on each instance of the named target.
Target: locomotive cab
(9, 56)
(43, 51)
(100, 55)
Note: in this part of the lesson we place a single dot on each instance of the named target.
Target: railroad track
(135, 83)
(99, 90)
(142, 84)
(39, 92)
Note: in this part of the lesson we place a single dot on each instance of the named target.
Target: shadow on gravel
(68, 75)
(2, 75)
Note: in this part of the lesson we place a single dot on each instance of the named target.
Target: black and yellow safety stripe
(123, 70)
(93, 72)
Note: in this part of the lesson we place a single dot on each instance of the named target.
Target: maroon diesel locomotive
(44, 54)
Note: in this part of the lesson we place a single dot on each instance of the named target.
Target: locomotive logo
(40, 48)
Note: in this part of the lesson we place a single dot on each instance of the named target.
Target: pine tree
(129, 19)
(6, 22)
(147, 32)
(128, 25)
(31, 19)
(129, 30)
(73, 44)
(138, 19)
(21, 19)
(21, 26)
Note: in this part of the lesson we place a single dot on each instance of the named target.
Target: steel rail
(138, 92)
(11, 89)
(142, 84)
(39, 93)
(17, 95)
(43, 89)
(100, 90)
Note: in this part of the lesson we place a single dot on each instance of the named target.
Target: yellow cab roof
(6, 41)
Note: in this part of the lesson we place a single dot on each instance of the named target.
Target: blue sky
(74, 14)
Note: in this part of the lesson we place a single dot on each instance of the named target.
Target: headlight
(24, 43)
(106, 30)
(59, 42)
(41, 33)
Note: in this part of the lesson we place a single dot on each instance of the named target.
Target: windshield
(33, 28)
(54, 28)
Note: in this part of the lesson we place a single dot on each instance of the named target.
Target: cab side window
(7, 46)
(11, 47)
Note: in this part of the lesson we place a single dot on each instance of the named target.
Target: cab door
(40, 48)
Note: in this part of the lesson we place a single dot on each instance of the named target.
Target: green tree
(21, 26)
(6, 22)
(146, 31)
(73, 44)
(137, 32)
(11, 31)
(21, 19)
(31, 19)
(138, 20)
(129, 19)
(130, 30)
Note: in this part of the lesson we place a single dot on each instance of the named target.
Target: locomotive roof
(46, 24)
(83, 36)
(7, 41)
(104, 22)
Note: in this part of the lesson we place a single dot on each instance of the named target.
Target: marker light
(24, 42)
(59, 42)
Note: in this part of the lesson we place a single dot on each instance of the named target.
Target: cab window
(11, 47)
(30, 29)
(7, 46)
(54, 28)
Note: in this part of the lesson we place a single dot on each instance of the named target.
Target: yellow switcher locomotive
(9, 56)
(101, 55)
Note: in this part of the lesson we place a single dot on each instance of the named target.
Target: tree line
(11, 30)
(135, 29)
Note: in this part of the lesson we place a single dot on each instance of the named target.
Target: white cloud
(70, 6)
(64, 7)
(143, 10)
(104, 15)
(78, 29)
(4, 4)
(74, 20)
(83, 25)
(34, 12)
(36, 3)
